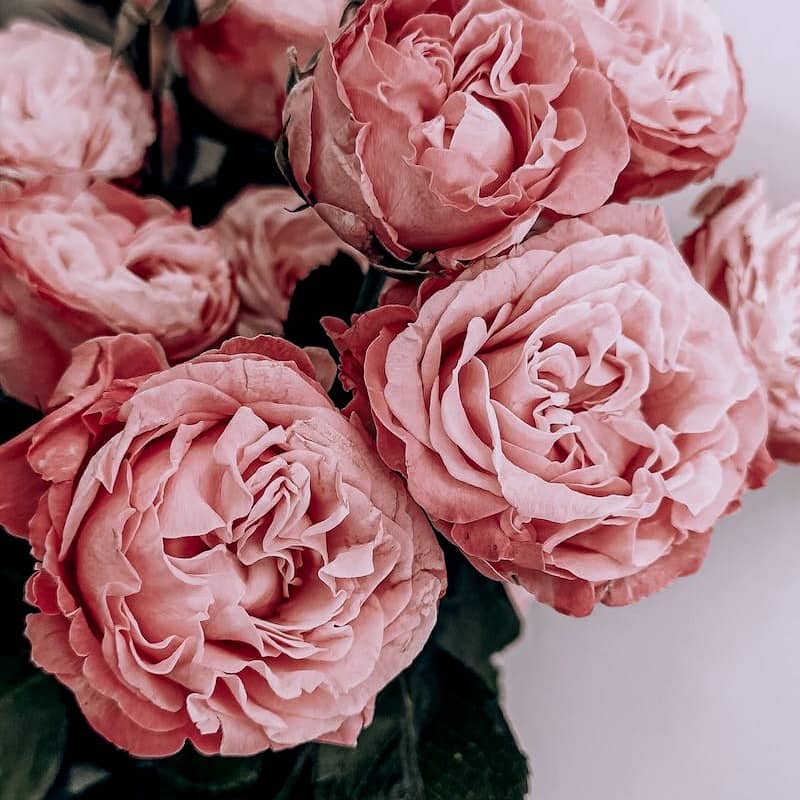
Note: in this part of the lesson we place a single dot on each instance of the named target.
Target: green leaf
(468, 751)
(370, 291)
(209, 775)
(384, 766)
(297, 784)
(270, 776)
(33, 734)
(476, 618)
(438, 734)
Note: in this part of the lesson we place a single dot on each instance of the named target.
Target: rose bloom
(238, 65)
(676, 70)
(750, 260)
(79, 262)
(271, 247)
(222, 557)
(450, 127)
(67, 108)
(575, 418)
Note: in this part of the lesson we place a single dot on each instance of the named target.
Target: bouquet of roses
(329, 332)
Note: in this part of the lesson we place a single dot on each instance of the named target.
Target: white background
(693, 694)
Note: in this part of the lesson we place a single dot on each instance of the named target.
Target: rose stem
(370, 291)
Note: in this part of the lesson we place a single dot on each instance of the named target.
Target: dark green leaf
(438, 734)
(468, 751)
(476, 618)
(298, 783)
(205, 775)
(370, 291)
(13, 670)
(384, 766)
(33, 733)
(270, 776)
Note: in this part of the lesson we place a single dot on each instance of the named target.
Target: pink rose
(67, 108)
(79, 262)
(450, 127)
(750, 261)
(222, 557)
(238, 65)
(575, 418)
(271, 247)
(676, 70)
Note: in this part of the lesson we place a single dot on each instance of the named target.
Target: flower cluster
(226, 558)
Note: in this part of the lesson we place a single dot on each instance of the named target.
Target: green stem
(370, 291)
(295, 776)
